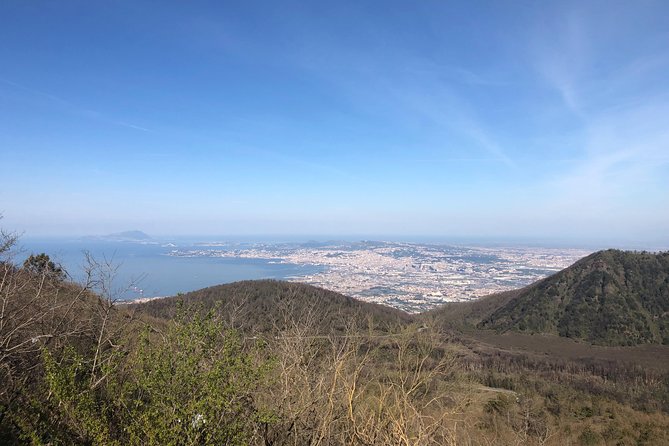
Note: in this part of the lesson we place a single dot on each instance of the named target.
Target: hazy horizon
(592, 243)
(518, 120)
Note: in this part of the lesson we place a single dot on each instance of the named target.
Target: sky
(431, 118)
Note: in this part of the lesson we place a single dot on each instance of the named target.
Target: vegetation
(271, 363)
(191, 385)
(609, 298)
(261, 306)
(42, 264)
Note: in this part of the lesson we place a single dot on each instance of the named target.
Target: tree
(40, 311)
(193, 383)
(43, 265)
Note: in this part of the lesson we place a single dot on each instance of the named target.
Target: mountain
(131, 235)
(266, 305)
(610, 298)
(125, 236)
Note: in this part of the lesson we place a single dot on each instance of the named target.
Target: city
(412, 277)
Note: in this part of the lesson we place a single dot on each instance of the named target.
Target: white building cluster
(414, 277)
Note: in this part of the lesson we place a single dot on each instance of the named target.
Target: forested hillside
(266, 305)
(610, 297)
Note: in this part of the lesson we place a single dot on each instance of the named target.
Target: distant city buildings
(413, 277)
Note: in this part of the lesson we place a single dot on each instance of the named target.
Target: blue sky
(501, 119)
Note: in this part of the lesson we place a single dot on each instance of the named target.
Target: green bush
(193, 384)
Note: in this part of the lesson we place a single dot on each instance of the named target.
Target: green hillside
(610, 297)
(269, 305)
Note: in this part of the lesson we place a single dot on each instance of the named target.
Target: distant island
(125, 236)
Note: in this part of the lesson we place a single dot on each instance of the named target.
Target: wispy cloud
(475, 131)
(72, 107)
(624, 147)
(561, 57)
(399, 85)
(405, 95)
(132, 126)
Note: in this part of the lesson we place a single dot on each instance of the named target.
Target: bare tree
(37, 310)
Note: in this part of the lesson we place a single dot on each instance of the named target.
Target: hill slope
(263, 305)
(610, 297)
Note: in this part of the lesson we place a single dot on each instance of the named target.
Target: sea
(144, 269)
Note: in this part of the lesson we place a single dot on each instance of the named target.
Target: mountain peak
(611, 297)
(130, 235)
